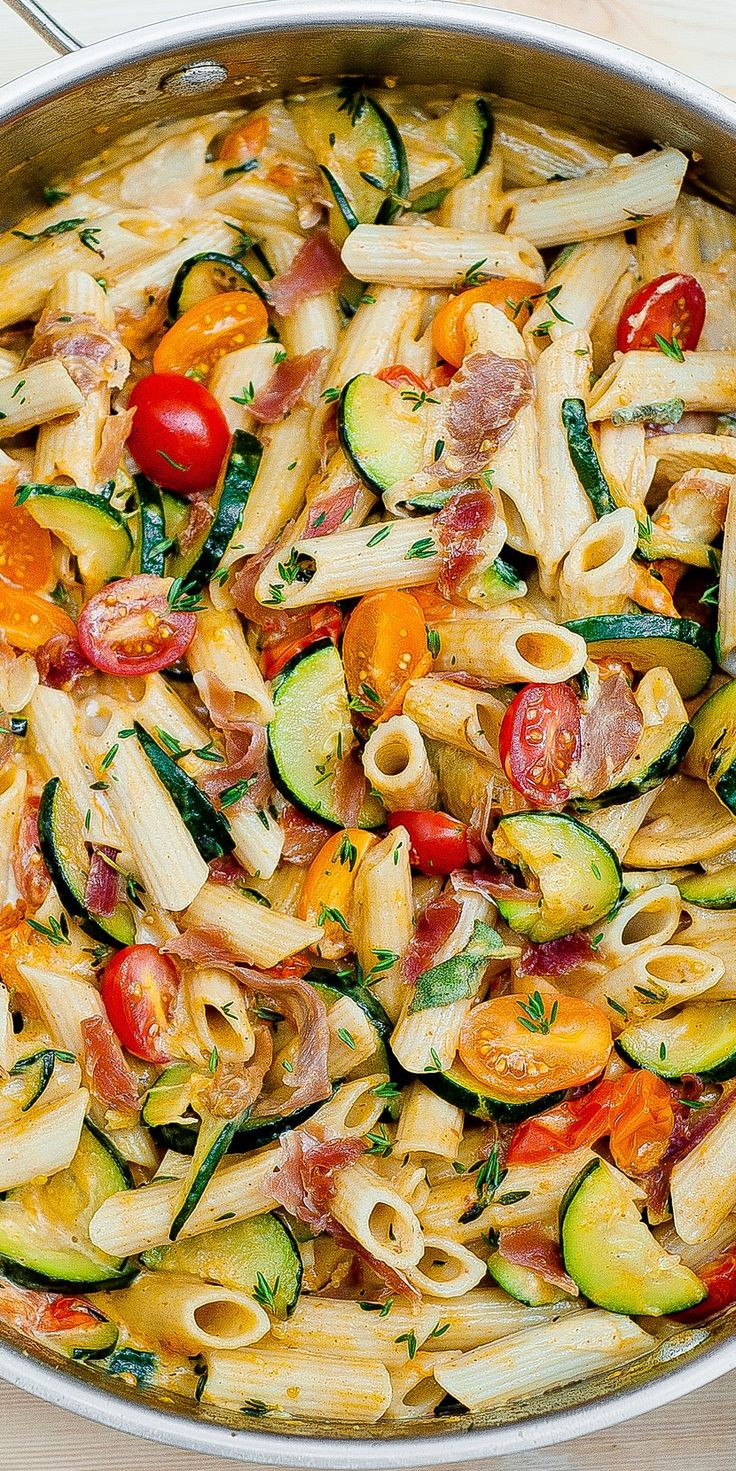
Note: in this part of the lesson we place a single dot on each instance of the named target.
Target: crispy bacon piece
(434, 927)
(103, 883)
(286, 386)
(461, 525)
(61, 662)
(485, 396)
(91, 354)
(245, 760)
(608, 737)
(530, 1246)
(556, 957)
(303, 835)
(110, 1077)
(316, 268)
(115, 431)
(29, 870)
(304, 1182)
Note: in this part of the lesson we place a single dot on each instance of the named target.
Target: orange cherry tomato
(245, 141)
(525, 1046)
(327, 896)
(510, 294)
(642, 1120)
(384, 646)
(25, 547)
(28, 621)
(219, 324)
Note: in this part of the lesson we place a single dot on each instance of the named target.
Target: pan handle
(45, 26)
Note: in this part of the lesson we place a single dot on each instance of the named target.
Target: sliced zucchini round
(206, 275)
(464, 133)
(522, 1283)
(578, 874)
(176, 514)
(458, 1086)
(382, 1059)
(251, 1134)
(209, 828)
(43, 1226)
(235, 1256)
(649, 641)
(612, 1255)
(715, 890)
(310, 727)
(659, 752)
(699, 1038)
(64, 851)
(360, 151)
(151, 539)
(200, 561)
(92, 1340)
(380, 433)
(94, 532)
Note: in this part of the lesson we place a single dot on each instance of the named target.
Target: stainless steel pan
(63, 113)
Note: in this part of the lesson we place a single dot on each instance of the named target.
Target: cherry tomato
(139, 989)
(539, 740)
(671, 307)
(62, 1314)
(719, 1276)
(565, 1127)
(25, 547)
(642, 1120)
(400, 376)
(526, 1046)
(179, 436)
(27, 621)
(385, 642)
(129, 627)
(509, 293)
(327, 896)
(439, 843)
(321, 622)
(219, 324)
(245, 141)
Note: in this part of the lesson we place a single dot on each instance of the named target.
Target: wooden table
(696, 1432)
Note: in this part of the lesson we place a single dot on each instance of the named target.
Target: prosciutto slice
(461, 526)
(103, 882)
(691, 1125)
(529, 1246)
(286, 386)
(609, 736)
(485, 396)
(304, 1182)
(303, 835)
(245, 760)
(115, 431)
(29, 870)
(233, 1089)
(61, 663)
(91, 354)
(315, 269)
(434, 927)
(556, 957)
(111, 1079)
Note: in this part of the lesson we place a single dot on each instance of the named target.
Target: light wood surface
(697, 1432)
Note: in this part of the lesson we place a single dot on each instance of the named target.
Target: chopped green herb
(410, 1339)
(425, 547)
(328, 912)
(346, 1037)
(433, 642)
(246, 395)
(380, 535)
(670, 349)
(380, 1143)
(264, 1294)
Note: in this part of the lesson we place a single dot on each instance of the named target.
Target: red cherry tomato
(180, 435)
(139, 989)
(719, 1276)
(399, 376)
(565, 1127)
(439, 843)
(130, 628)
(671, 307)
(324, 621)
(539, 740)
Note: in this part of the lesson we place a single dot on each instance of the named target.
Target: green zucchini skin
(591, 869)
(203, 1175)
(343, 127)
(209, 268)
(380, 432)
(700, 1039)
(150, 549)
(584, 458)
(457, 1085)
(93, 530)
(651, 640)
(236, 1255)
(715, 890)
(208, 827)
(64, 852)
(200, 562)
(656, 762)
(712, 756)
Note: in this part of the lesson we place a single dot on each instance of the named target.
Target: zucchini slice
(579, 875)
(458, 1086)
(209, 828)
(64, 851)
(43, 1226)
(94, 532)
(176, 514)
(236, 1256)
(151, 539)
(585, 460)
(712, 755)
(250, 1133)
(381, 1059)
(497, 583)
(659, 752)
(94, 1339)
(382, 432)
(700, 1038)
(612, 1255)
(446, 149)
(359, 150)
(649, 641)
(213, 1141)
(311, 724)
(715, 890)
(200, 561)
(207, 274)
(523, 1283)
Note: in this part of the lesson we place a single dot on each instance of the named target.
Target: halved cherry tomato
(565, 1127)
(62, 1314)
(642, 1120)
(510, 294)
(179, 436)
(130, 628)
(399, 376)
(327, 896)
(385, 641)
(524, 1047)
(539, 740)
(321, 622)
(245, 141)
(438, 842)
(719, 1276)
(139, 989)
(219, 324)
(28, 621)
(671, 307)
(25, 547)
